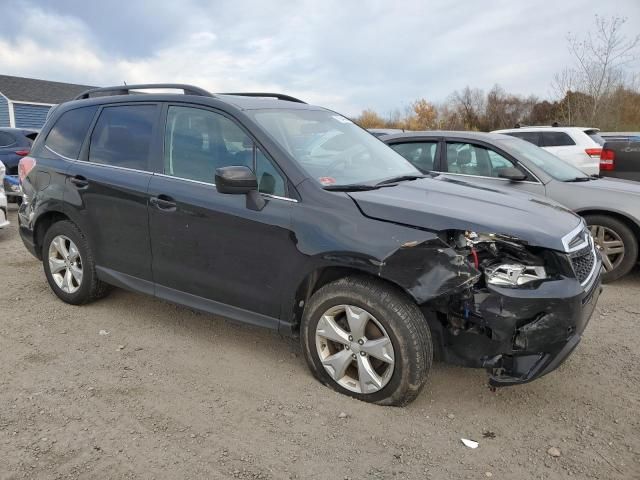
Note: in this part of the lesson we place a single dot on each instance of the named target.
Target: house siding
(30, 116)
(4, 112)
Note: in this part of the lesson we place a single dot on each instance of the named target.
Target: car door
(211, 249)
(107, 189)
(481, 164)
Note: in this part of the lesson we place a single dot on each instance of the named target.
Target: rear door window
(531, 137)
(67, 135)
(122, 136)
(421, 154)
(556, 139)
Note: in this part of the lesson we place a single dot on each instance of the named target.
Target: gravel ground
(165, 392)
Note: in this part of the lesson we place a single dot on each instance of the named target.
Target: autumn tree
(370, 119)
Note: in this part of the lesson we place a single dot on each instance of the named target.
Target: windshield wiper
(354, 187)
(580, 179)
(400, 178)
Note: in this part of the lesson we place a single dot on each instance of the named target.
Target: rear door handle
(163, 202)
(79, 181)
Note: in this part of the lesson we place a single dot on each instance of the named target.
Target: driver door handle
(163, 202)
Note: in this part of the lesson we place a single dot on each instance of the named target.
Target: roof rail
(126, 89)
(279, 96)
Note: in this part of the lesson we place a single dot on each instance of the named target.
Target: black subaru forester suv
(266, 210)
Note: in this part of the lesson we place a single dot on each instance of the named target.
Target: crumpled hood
(441, 203)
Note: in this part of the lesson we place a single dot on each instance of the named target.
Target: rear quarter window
(69, 131)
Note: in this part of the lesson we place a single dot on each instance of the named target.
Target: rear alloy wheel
(65, 264)
(367, 339)
(69, 265)
(616, 243)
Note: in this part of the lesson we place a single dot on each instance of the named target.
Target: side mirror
(512, 173)
(235, 180)
(240, 180)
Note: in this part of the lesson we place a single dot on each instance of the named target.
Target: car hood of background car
(438, 204)
(614, 185)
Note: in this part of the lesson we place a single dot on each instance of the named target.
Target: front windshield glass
(332, 149)
(552, 165)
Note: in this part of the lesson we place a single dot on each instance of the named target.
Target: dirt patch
(169, 393)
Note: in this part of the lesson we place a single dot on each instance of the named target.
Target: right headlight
(513, 274)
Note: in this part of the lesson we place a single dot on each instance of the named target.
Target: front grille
(583, 262)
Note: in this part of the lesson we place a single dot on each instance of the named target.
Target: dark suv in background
(281, 214)
(15, 143)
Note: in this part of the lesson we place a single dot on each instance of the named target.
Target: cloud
(344, 55)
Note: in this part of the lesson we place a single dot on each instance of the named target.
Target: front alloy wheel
(354, 349)
(65, 264)
(368, 339)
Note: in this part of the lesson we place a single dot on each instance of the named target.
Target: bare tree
(602, 59)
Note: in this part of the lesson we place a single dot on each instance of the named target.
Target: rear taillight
(594, 152)
(607, 159)
(25, 166)
(22, 153)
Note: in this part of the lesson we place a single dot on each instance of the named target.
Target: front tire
(365, 339)
(69, 264)
(617, 244)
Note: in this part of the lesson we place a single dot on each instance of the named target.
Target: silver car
(611, 207)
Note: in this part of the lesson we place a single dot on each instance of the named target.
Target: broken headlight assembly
(505, 261)
(513, 274)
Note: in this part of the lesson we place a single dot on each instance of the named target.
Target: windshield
(332, 149)
(552, 165)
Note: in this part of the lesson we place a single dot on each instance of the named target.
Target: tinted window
(421, 154)
(6, 139)
(531, 137)
(199, 141)
(122, 136)
(556, 139)
(67, 135)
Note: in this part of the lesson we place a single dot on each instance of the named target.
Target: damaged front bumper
(519, 334)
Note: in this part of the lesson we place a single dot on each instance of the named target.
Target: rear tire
(69, 264)
(611, 229)
(391, 318)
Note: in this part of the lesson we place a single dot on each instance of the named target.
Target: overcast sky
(346, 55)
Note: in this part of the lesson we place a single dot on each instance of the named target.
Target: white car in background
(579, 146)
(3, 199)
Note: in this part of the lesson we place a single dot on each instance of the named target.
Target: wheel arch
(322, 276)
(628, 221)
(43, 224)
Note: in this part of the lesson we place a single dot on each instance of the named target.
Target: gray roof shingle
(39, 91)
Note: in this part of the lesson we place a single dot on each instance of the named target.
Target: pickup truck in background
(620, 158)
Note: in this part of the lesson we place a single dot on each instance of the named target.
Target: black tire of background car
(628, 239)
(91, 288)
(401, 318)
